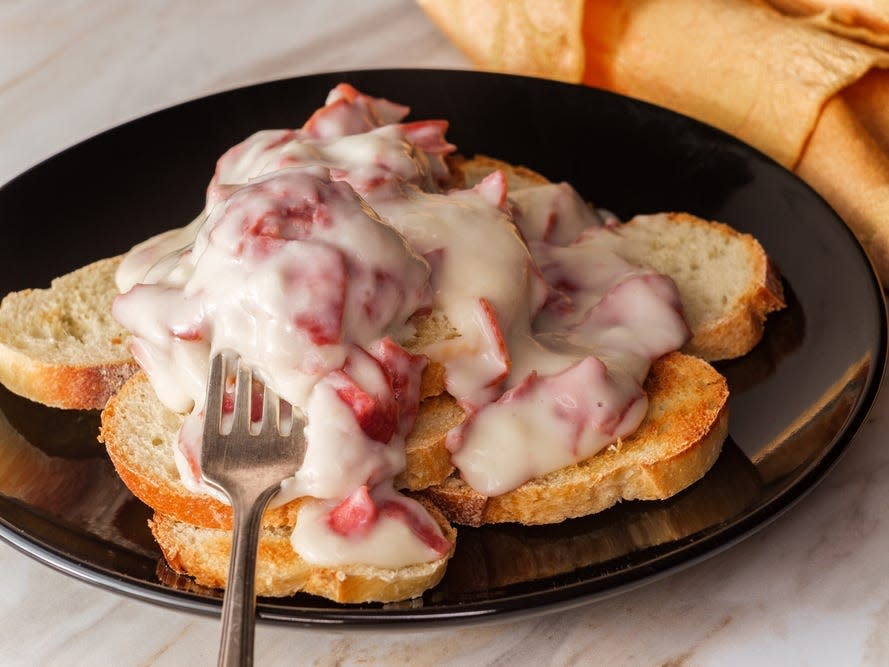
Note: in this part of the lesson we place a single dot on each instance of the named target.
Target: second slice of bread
(677, 442)
(60, 346)
(726, 281)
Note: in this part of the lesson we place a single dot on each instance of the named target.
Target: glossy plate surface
(797, 399)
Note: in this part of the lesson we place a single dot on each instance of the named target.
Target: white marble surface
(810, 589)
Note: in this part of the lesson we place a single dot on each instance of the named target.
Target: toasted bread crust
(678, 441)
(428, 460)
(70, 387)
(203, 553)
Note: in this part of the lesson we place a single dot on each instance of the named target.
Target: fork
(247, 465)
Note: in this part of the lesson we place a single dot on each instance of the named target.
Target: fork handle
(239, 602)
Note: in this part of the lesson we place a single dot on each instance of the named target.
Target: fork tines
(228, 370)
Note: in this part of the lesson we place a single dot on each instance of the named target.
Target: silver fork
(248, 467)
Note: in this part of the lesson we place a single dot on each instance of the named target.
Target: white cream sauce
(316, 247)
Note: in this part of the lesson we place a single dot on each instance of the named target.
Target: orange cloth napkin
(805, 81)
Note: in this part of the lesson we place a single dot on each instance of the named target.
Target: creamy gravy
(316, 247)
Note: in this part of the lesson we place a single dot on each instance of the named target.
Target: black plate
(797, 399)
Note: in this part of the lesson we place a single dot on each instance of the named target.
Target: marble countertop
(810, 588)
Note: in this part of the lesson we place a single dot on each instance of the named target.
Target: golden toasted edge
(80, 387)
(428, 460)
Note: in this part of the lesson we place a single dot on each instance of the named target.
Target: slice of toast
(140, 435)
(726, 281)
(60, 346)
(203, 553)
(679, 439)
(498, 555)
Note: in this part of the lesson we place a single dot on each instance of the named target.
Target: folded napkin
(805, 81)
(864, 20)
